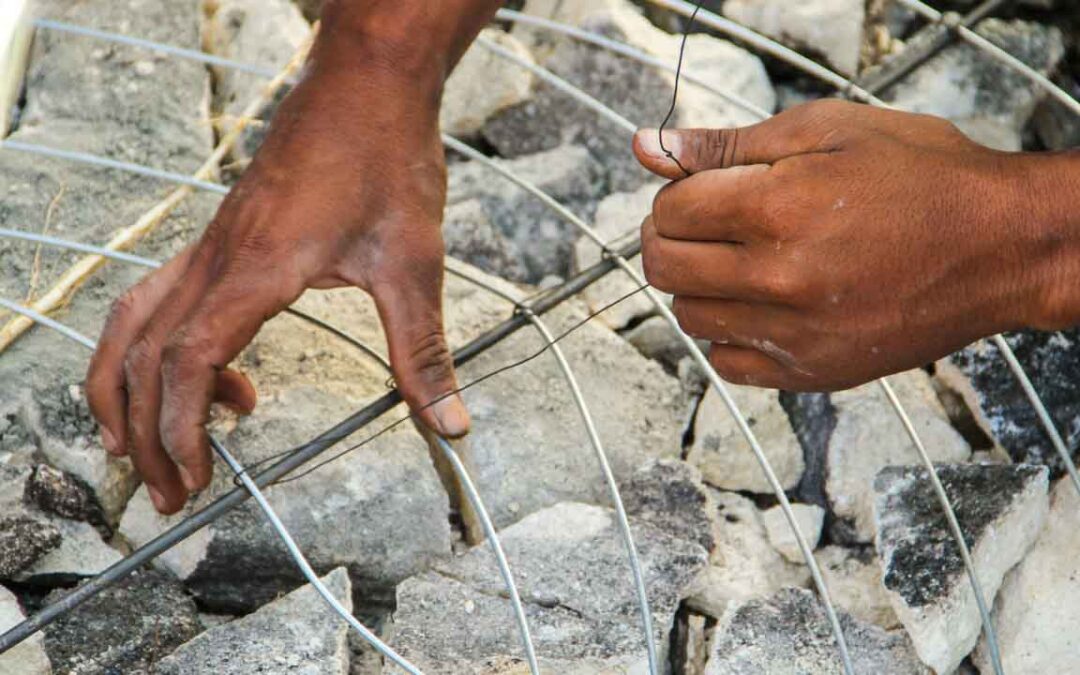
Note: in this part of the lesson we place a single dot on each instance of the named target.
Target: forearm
(420, 39)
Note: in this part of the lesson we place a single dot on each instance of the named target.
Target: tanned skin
(830, 245)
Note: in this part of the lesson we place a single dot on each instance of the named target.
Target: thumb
(411, 313)
(797, 131)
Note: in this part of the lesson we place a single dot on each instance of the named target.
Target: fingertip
(450, 417)
(234, 390)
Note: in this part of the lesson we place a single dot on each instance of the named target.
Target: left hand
(836, 243)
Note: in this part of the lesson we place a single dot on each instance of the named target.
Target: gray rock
(572, 573)
(125, 628)
(854, 580)
(813, 419)
(723, 454)
(989, 101)
(1040, 596)
(62, 494)
(869, 436)
(979, 374)
(656, 339)
(810, 519)
(789, 634)
(381, 512)
(24, 539)
(471, 236)
(27, 658)
(90, 96)
(482, 84)
(618, 220)
(81, 554)
(830, 28)
(1000, 510)
(551, 118)
(297, 634)
(743, 564)
(1056, 125)
(538, 237)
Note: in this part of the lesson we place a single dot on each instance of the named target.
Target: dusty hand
(347, 190)
(836, 243)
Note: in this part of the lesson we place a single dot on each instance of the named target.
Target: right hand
(348, 189)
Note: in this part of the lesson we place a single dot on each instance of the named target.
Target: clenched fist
(836, 243)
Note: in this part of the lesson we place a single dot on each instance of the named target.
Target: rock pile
(388, 524)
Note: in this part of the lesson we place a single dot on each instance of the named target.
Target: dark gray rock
(537, 237)
(574, 580)
(23, 540)
(62, 494)
(789, 633)
(669, 494)
(123, 629)
(1051, 360)
(1000, 510)
(813, 419)
(297, 634)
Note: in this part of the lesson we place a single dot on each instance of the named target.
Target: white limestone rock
(570, 567)
(722, 453)
(743, 565)
(854, 580)
(618, 221)
(831, 28)
(810, 518)
(29, 657)
(788, 633)
(1000, 510)
(298, 633)
(1040, 598)
(989, 101)
(484, 83)
(869, 436)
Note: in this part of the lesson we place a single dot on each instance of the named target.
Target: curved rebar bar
(601, 458)
(181, 52)
(282, 532)
(770, 46)
(496, 546)
(954, 526)
(107, 163)
(625, 49)
(997, 53)
(703, 362)
(1041, 412)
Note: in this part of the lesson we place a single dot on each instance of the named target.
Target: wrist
(1045, 215)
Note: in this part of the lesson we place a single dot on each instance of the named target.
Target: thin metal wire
(954, 525)
(601, 458)
(703, 362)
(282, 532)
(107, 163)
(624, 49)
(770, 46)
(995, 52)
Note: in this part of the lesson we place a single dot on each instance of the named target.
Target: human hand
(348, 189)
(836, 243)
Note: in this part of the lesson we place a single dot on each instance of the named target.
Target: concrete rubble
(388, 523)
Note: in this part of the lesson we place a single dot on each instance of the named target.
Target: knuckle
(431, 358)
(141, 357)
(655, 266)
(720, 144)
(781, 284)
(125, 305)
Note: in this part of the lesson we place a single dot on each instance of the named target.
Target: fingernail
(186, 479)
(157, 498)
(452, 417)
(108, 441)
(650, 143)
